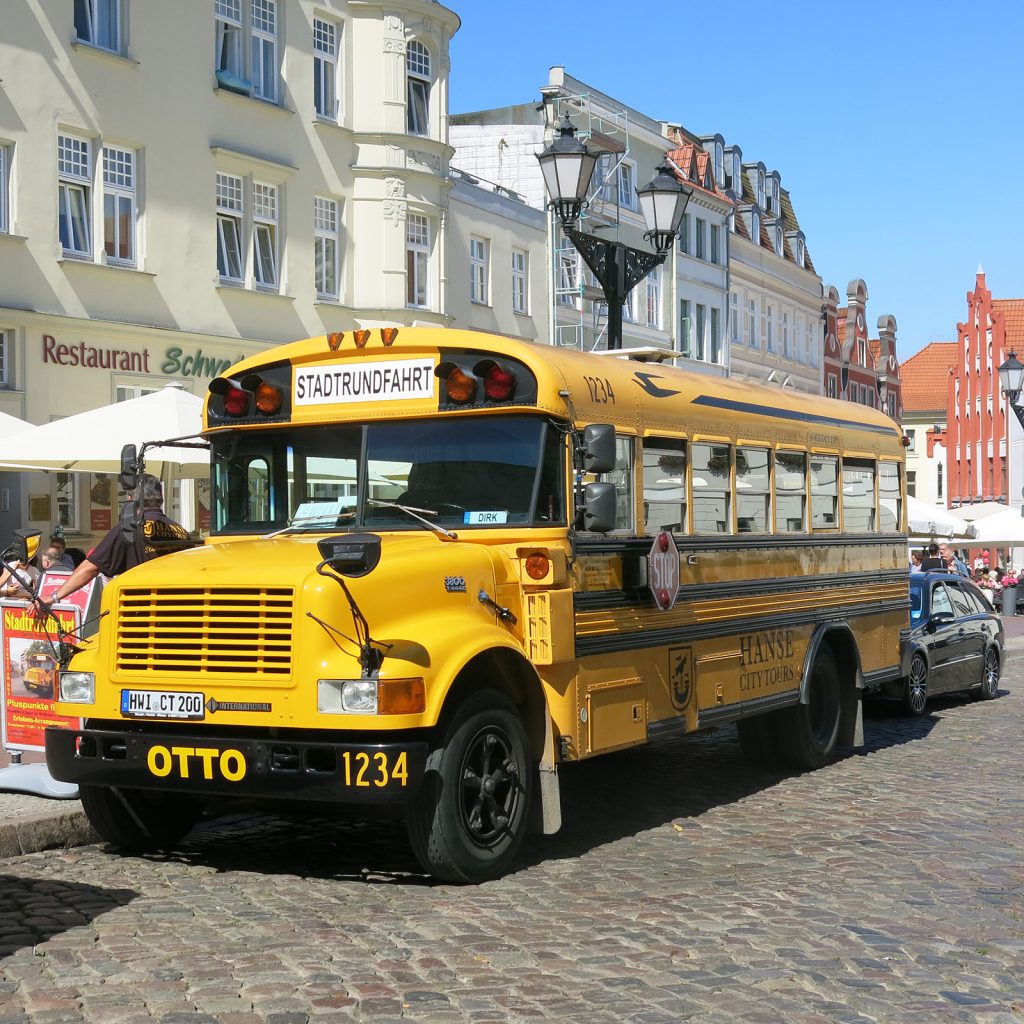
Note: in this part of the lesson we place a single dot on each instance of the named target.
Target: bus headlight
(347, 696)
(78, 687)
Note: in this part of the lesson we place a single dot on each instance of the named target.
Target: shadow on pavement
(603, 800)
(33, 910)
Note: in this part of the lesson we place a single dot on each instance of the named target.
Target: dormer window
(719, 164)
(755, 227)
(772, 198)
(760, 188)
(778, 240)
(737, 182)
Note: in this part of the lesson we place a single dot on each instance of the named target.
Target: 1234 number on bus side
(600, 390)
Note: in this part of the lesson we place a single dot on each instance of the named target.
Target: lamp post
(568, 166)
(1011, 382)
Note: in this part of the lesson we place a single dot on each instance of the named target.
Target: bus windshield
(458, 472)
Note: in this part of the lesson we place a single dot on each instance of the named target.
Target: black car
(956, 641)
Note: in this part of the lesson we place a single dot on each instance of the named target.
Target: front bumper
(191, 762)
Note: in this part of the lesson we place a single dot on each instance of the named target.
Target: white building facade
(181, 185)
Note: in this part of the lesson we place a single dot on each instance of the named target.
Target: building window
(6, 348)
(911, 437)
(702, 312)
(685, 328)
(752, 339)
(98, 22)
(700, 250)
(246, 47)
(831, 385)
(716, 335)
(568, 291)
(760, 189)
(938, 480)
(264, 49)
(119, 205)
(264, 209)
(785, 335)
(627, 179)
(520, 293)
(912, 483)
(654, 298)
(770, 327)
(779, 241)
(683, 238)
(627, 308)
(230, 208)
(326, 246)
(734, 318)
(478, 270)
(417, 74)
(325, 68)
(74, 195)
(755, 228)
(417, 253)
(716, 254)
(67, 504)
(719, 156)
(5, 187)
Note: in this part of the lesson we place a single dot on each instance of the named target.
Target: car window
(961, 602)
(940, 600)
(977, 599)
(915, 603)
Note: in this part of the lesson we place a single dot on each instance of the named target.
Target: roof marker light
(334, 340)
(388, 335)
(361, 337)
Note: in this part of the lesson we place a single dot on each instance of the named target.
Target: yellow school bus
(442, 563)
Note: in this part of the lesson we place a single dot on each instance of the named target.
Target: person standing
(933, 560)
(120, 550)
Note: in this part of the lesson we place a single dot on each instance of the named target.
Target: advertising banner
(30, 665)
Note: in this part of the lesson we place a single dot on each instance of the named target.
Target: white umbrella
(979, 510)
(12, 425)
(1001, 529)
(924, 520)
(91, 442)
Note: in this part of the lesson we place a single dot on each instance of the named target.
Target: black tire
(915, 687)
(139, 821)
(472, 812)
(989, 688)
(809, 733)
(759, 739)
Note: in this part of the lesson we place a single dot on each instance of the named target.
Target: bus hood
(264, 601)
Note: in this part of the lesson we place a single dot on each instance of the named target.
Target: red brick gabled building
(855, 365)
(980, 426)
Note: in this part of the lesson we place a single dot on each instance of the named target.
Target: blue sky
(898, 127)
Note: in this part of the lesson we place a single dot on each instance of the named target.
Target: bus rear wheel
(139, 821)
(468, 820)
(809, 733)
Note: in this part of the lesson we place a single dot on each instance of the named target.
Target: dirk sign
(663, 570)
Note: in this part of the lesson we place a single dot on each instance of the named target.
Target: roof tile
(923, 377)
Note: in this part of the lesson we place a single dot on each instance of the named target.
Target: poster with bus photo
(30, 673)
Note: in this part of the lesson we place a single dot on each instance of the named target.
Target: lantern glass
(1011, 376)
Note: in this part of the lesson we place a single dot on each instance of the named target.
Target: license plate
(162, 704)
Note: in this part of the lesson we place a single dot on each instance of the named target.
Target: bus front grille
(218, 631)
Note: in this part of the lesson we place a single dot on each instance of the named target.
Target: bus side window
(858, 496)
(889, 503)
(790, 492)
(711, 471)
(753, 490)
(664, 482)
(825, 492)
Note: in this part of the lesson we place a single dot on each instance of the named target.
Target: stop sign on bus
(663, 570)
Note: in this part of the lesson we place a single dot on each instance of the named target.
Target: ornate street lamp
(568, 166)
(1011, 383)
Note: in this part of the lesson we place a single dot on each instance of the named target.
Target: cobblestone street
(685, 885)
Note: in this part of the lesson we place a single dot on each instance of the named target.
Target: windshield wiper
(417, 514)
(328, 519)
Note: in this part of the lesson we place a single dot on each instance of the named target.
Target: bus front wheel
(139, 821)
(468, 820)
(809, 733)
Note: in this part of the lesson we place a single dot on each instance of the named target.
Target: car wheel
(139, 821)
(915, 688)
(989, 688)
(472, 812)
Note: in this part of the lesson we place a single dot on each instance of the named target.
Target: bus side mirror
(354, 555)
(599, 508)
(128, 478)
(599, 448)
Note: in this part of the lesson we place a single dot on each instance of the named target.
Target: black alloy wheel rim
(918, 685)
(490, 787)
(990, 683)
